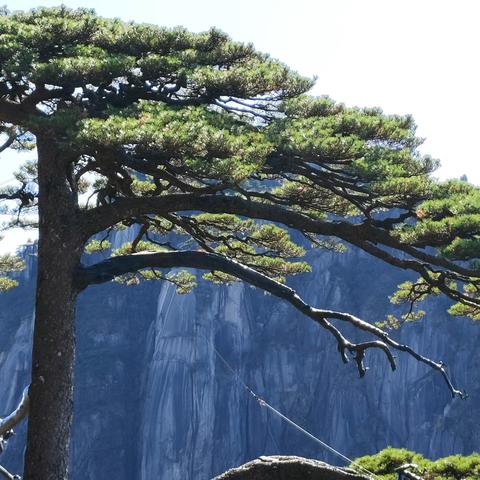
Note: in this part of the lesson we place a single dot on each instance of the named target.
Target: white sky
(406, 56)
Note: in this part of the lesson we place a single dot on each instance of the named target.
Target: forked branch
(7, 143)
(6, 474)
(6, 426)
(7, 423)
(113, 267)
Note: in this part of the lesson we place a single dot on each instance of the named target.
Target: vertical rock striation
(154, 398)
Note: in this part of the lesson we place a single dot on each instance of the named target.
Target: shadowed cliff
(153, 400)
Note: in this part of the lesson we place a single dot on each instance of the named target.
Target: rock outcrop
(289, 468)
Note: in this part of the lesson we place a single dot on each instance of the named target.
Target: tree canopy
(220, 159)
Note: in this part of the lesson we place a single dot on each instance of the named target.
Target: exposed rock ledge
(289, 468)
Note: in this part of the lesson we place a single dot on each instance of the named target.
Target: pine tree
(198, 137)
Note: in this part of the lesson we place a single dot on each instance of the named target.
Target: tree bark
(53, 356)
(289, 468)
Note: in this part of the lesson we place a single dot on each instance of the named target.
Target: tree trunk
(53, 356)
(289, 468)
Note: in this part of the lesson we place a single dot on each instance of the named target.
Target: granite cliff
(154, 399)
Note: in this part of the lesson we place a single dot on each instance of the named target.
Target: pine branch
(363, 235)
(116, 266)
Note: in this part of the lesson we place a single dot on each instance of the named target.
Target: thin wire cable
(265, 404)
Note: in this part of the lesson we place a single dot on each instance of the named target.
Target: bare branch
(7, 423)
(113, 267)
(6, 474)
(25, 197)
(8, 143)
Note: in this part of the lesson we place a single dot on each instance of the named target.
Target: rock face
(154, 398)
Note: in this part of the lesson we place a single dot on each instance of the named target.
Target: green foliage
(74, 48)
(450, 221)
(442, 231)
(96, 246)
(462, 249)
(141, 246)
(11, 263)
(265, 247)
(227, 229)
(320, 200)
(8, 264)
(7, 284)
(446, 220)
(209, 144)
(183, 280)
(455, 467)
(27, 172)
(143, 187)
(464, 309)
(410, 293)
(142, 111)
(388, 460)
